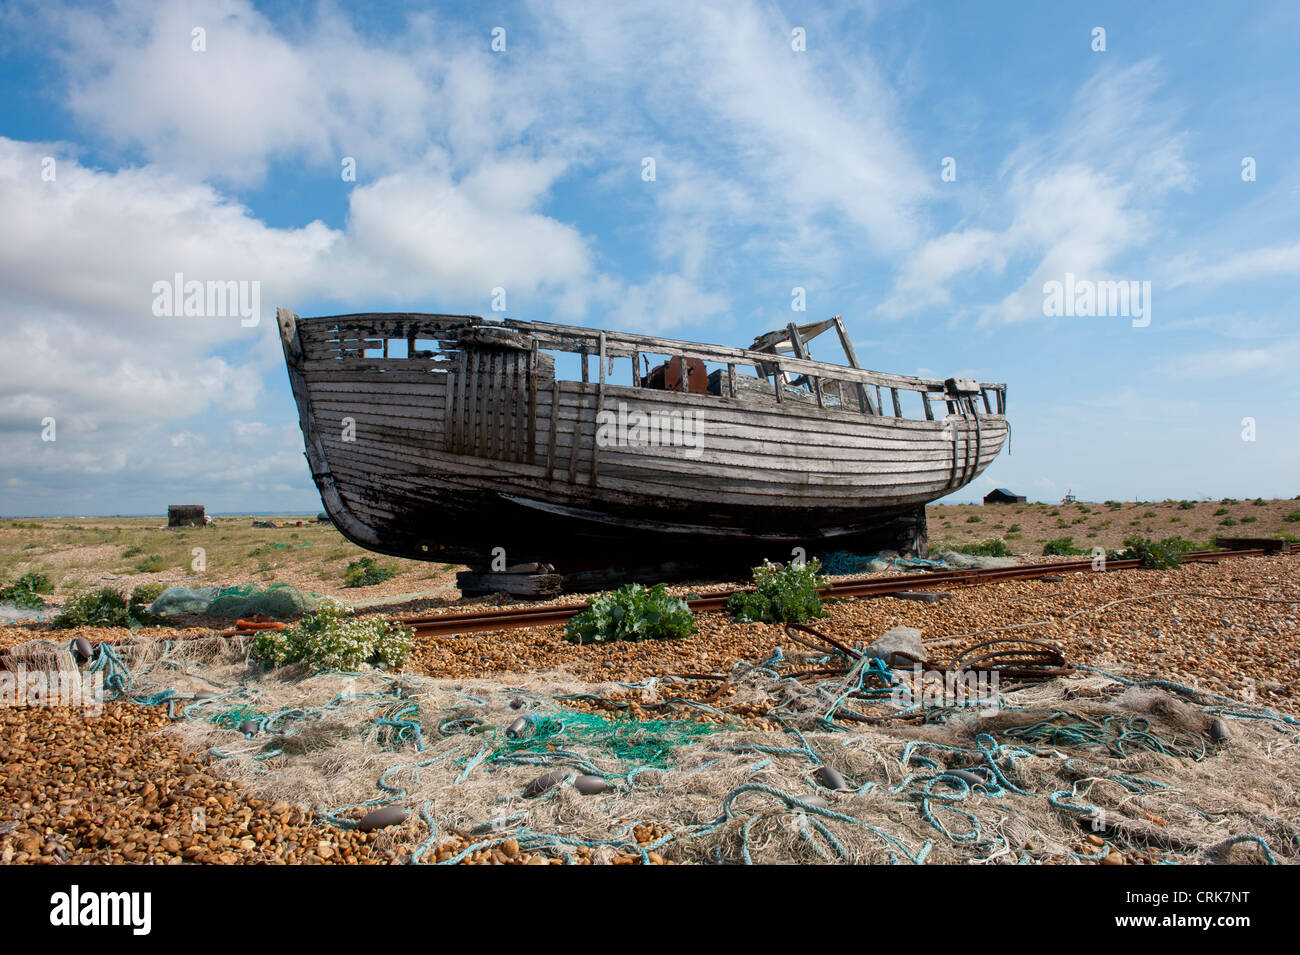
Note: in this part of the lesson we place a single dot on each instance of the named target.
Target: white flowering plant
(331, 640)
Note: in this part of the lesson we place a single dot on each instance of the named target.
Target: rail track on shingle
(515, 618)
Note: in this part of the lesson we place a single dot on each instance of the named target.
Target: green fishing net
(279, 601)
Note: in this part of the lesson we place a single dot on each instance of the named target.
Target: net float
(382, 818)
(544, 782)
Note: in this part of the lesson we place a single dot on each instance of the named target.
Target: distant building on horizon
(1000, 495)
(186, 515)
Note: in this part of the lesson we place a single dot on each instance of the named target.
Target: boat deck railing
(829, 386)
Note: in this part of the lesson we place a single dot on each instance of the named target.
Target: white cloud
(1264, 262)
(418, 233)
(1074, 221)
(248, 432)
(1081, 195)
(664, 301)
(256, 95)
(812, 143)
(1224, 363)
(922, 282)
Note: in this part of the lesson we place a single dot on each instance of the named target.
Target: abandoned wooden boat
(606, 454)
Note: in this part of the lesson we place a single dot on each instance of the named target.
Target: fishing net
(975, 561)
(41, 672)
(38, 655)
(841, 562)
(1067, 769)
(281, 601)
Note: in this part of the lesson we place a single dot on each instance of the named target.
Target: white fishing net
(1065, 770)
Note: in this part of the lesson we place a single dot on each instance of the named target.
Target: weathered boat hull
(475, 452)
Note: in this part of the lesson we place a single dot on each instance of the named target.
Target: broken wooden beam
(1272, 545)
(472, 583)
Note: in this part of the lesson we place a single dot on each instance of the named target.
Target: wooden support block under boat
(472, 583)
(1272, 545)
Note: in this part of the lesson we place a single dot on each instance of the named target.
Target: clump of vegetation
(1061, 547)
(146, 594)
(1228, 522)
(1156, 555)
(26, 590)
(330, 639)
(973, 519)
(151, 564)
(633, 612)
(365, 571)
(1249, 519)
(782, 594)
(1292, 518)
(268, 547)
(1186, 506)
(1221, 511)
(20, 597)
(1013, 529)
(1229, 500)
(993, 547)
(105, 607)
(36, 581)
(1259, 502)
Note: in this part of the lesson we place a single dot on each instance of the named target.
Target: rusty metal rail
(514, 618)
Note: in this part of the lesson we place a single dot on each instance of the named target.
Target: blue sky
(774, 168)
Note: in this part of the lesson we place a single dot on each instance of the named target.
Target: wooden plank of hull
(738, 467)
(752, 440)
(721, 453)
(367, 483)
(770, 447)
(367, 471)
(583, 534)
(396, 499)
(427, 431)
(714, 406)
(766, 435)
(936, 474)
(714, 412)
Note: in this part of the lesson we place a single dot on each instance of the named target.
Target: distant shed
(1000, 495)
(186, 515)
